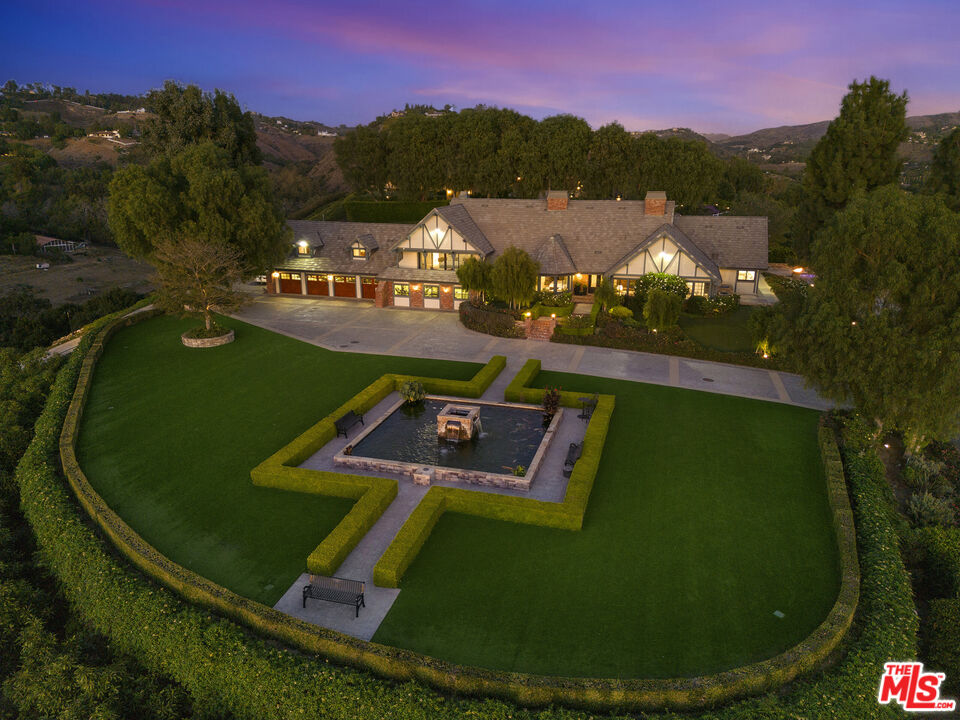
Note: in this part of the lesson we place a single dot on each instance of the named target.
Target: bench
(334, 589)
(573, 454)
(346, 422)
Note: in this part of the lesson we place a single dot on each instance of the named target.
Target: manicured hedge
(473, 388)
(408, 541)
(940, 548)
(229, 672)
(941, 631)
(489, 322)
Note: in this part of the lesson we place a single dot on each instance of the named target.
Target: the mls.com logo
(915, 690)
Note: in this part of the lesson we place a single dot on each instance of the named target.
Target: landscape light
(553, 315)
(798, 269)
(887, 445)
(766, 355)
(854, 322)
(529, 313)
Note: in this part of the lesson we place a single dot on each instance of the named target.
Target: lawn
(169, 436)
(727, 333)
(709, 514)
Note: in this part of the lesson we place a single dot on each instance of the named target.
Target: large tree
(858, 152)
(513, 277)
(881, 327)
(198, 193)
(196, 277)
(474, 275)
(186, 116)
(945, 169)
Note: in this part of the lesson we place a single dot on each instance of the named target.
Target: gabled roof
(738, 242)
(368, 241)
(554, 258)
(332, 241)
(682, 242)
(464, 224)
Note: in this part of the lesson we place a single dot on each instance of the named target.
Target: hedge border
(80, 560)
(373, 494)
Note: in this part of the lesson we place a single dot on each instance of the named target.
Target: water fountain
(458, 423)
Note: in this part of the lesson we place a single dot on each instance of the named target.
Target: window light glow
(302, 243)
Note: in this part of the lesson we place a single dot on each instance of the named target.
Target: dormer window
(359, 252)
(303, 248)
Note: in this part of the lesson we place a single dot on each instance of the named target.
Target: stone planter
(207, 342)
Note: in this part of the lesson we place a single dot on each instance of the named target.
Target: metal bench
(334, 589)
(349, 419)
(573, 454)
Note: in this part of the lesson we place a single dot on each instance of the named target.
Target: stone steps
(541, 329)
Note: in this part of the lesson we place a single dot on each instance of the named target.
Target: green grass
(709, 513)
(727, 333)
(169, 436)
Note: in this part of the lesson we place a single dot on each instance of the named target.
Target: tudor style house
(576, 243)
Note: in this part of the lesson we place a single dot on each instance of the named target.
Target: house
(108, 134)
(46, 244)
(576, 242)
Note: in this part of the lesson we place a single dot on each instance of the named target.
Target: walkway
(360, 327)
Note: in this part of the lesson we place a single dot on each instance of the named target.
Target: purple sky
(716, 67)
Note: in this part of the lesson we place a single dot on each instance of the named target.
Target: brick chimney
(557, 200)
(655, 203)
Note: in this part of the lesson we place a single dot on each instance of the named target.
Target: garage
(368, 288)
(345, 286)
(290, 283)
(317, 285)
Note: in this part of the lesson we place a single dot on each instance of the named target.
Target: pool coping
(423, 472)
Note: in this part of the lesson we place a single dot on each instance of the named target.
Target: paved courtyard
(357, 326)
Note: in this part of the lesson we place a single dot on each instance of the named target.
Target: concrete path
(357, 326)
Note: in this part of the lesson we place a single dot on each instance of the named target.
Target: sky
(725, 67)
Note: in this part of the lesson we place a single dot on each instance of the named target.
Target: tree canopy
(474, 275)
(858, 152)
(945, 169)
(186, 115)
(198, 193)
(881, 327)
(513, 277)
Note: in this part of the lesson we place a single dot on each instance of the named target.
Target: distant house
(326, 133)
(45, 243)
(108, 134)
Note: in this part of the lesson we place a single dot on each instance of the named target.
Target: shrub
(605, 296)
(551, 401)
(412, 391)
(620, 312)
(553, 300)
(940, 560)
(723, 304)
(658, 281)
(941, 641)
(662, 309)
(697, 305)
(485, 320)
(921, 472)
(926, 509)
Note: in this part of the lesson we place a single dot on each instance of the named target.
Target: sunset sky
(727, 67)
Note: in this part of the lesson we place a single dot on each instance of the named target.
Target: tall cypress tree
(858, 152)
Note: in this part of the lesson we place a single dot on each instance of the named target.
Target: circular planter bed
(206, 342)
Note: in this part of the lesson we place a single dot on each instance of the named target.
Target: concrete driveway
(357, 326)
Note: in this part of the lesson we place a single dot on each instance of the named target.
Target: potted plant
(551, 401)
(412, 392)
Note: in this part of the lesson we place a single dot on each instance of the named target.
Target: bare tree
(197, 277)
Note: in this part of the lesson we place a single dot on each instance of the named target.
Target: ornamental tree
(196, 277)
(198, 193)
(881, 327)
(514, 276)
(662, 309)
(474, 275)
(858, 152)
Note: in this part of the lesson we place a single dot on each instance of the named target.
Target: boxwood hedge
(231, 672)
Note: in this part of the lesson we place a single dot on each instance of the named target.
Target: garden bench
(334, 589)
(346, 422)
(573, 454)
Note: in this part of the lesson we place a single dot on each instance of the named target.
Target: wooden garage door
(290, 283)
(317, 285)
(345, 285)
(368, 288)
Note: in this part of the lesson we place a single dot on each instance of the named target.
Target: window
(460, 293)
(747, 275)
(697, 288)
(288, 276)
(431, 291)
(401, 289)
(303, 248)
(438, 261)
(557, 284)
(316, 278)
(344, 279)
(359, 253)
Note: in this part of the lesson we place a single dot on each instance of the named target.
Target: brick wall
(655, 206)
(446, 297)
(556, 203)
(416, 295)
(384, 294)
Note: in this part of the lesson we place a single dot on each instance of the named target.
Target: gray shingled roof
(448, 277)
(554, 258)
(682, 241)
(597, 233)
(737, 242)
(368, 241)
(335, 255)
(457, 216)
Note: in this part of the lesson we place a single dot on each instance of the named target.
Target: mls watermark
(915, 690)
